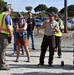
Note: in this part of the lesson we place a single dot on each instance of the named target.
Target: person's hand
(30, 23)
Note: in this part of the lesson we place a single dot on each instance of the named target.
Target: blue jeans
(22, 47)
(32, 37)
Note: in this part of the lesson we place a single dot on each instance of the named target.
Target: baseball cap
(56, 15)
(51, 14)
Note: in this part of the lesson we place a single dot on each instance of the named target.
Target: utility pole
(65, 16)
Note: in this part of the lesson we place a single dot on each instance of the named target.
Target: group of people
(22, 30)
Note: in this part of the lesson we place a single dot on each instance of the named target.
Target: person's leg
(51, 49)
(27, 53)
(18, 52)
(18, 46)
(32, 38)
(56, 44)
(3, 46)
(25, 43)
(22, 49)
(43, 50)
(14, 43)
(59, 47)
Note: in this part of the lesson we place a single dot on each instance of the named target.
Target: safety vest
(61, 25)
(3, 27)
(59, 34)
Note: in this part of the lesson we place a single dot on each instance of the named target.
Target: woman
(21, 37)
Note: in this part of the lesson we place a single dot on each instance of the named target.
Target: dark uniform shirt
(30, 26)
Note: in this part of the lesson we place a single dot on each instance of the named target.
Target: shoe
(4, 67)
(22, 53)
(33, 48)
(40, 64)
(50, 65)
(16, 60)
(28, 59)
(59, 56)
(13, 53)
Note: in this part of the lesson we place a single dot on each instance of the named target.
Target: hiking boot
(40, 64)
(33, 48)
(16, 59)
(28, 59)
(4, 67)
(50, 65)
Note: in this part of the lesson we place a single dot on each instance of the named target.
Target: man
(58, 36)
(51, 26)
(30, 29)
(5, 31)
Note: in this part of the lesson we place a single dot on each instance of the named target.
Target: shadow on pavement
(34, 66)
(42, 73)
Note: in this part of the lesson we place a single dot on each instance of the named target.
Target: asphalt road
(31, 68)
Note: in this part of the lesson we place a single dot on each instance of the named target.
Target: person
(60, 22)
(51, 26)
(5, 36)
(30, 28)
(21, 37)
(58, 37)
(14, 26)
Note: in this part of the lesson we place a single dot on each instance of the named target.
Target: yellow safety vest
(3, 27)
(59, 33)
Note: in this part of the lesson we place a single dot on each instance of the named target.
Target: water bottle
(62, 63)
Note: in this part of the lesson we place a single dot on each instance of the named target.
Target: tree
(28, 8)
(70, 10)
(2, 5)
(52, 9)
(40, 8)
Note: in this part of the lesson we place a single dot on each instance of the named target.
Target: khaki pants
(3, 45)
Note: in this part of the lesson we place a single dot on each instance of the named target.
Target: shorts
(22, 41)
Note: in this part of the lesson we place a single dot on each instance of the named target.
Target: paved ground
(25, 68)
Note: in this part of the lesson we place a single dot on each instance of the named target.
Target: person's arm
(21, 29)
(8, 25)
(56, 27)
(44, 24)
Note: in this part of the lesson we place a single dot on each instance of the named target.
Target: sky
(19, 5)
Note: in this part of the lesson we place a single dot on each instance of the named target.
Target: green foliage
(52, 9)
(40, 8)
(28, 8)
(2, 5)
(70, 10)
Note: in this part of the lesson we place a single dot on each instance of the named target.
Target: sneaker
(33, 48)
(40, 64)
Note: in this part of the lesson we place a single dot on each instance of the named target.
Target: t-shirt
(21, 34)
(30, 26)
(7, 20)
(49, 31)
